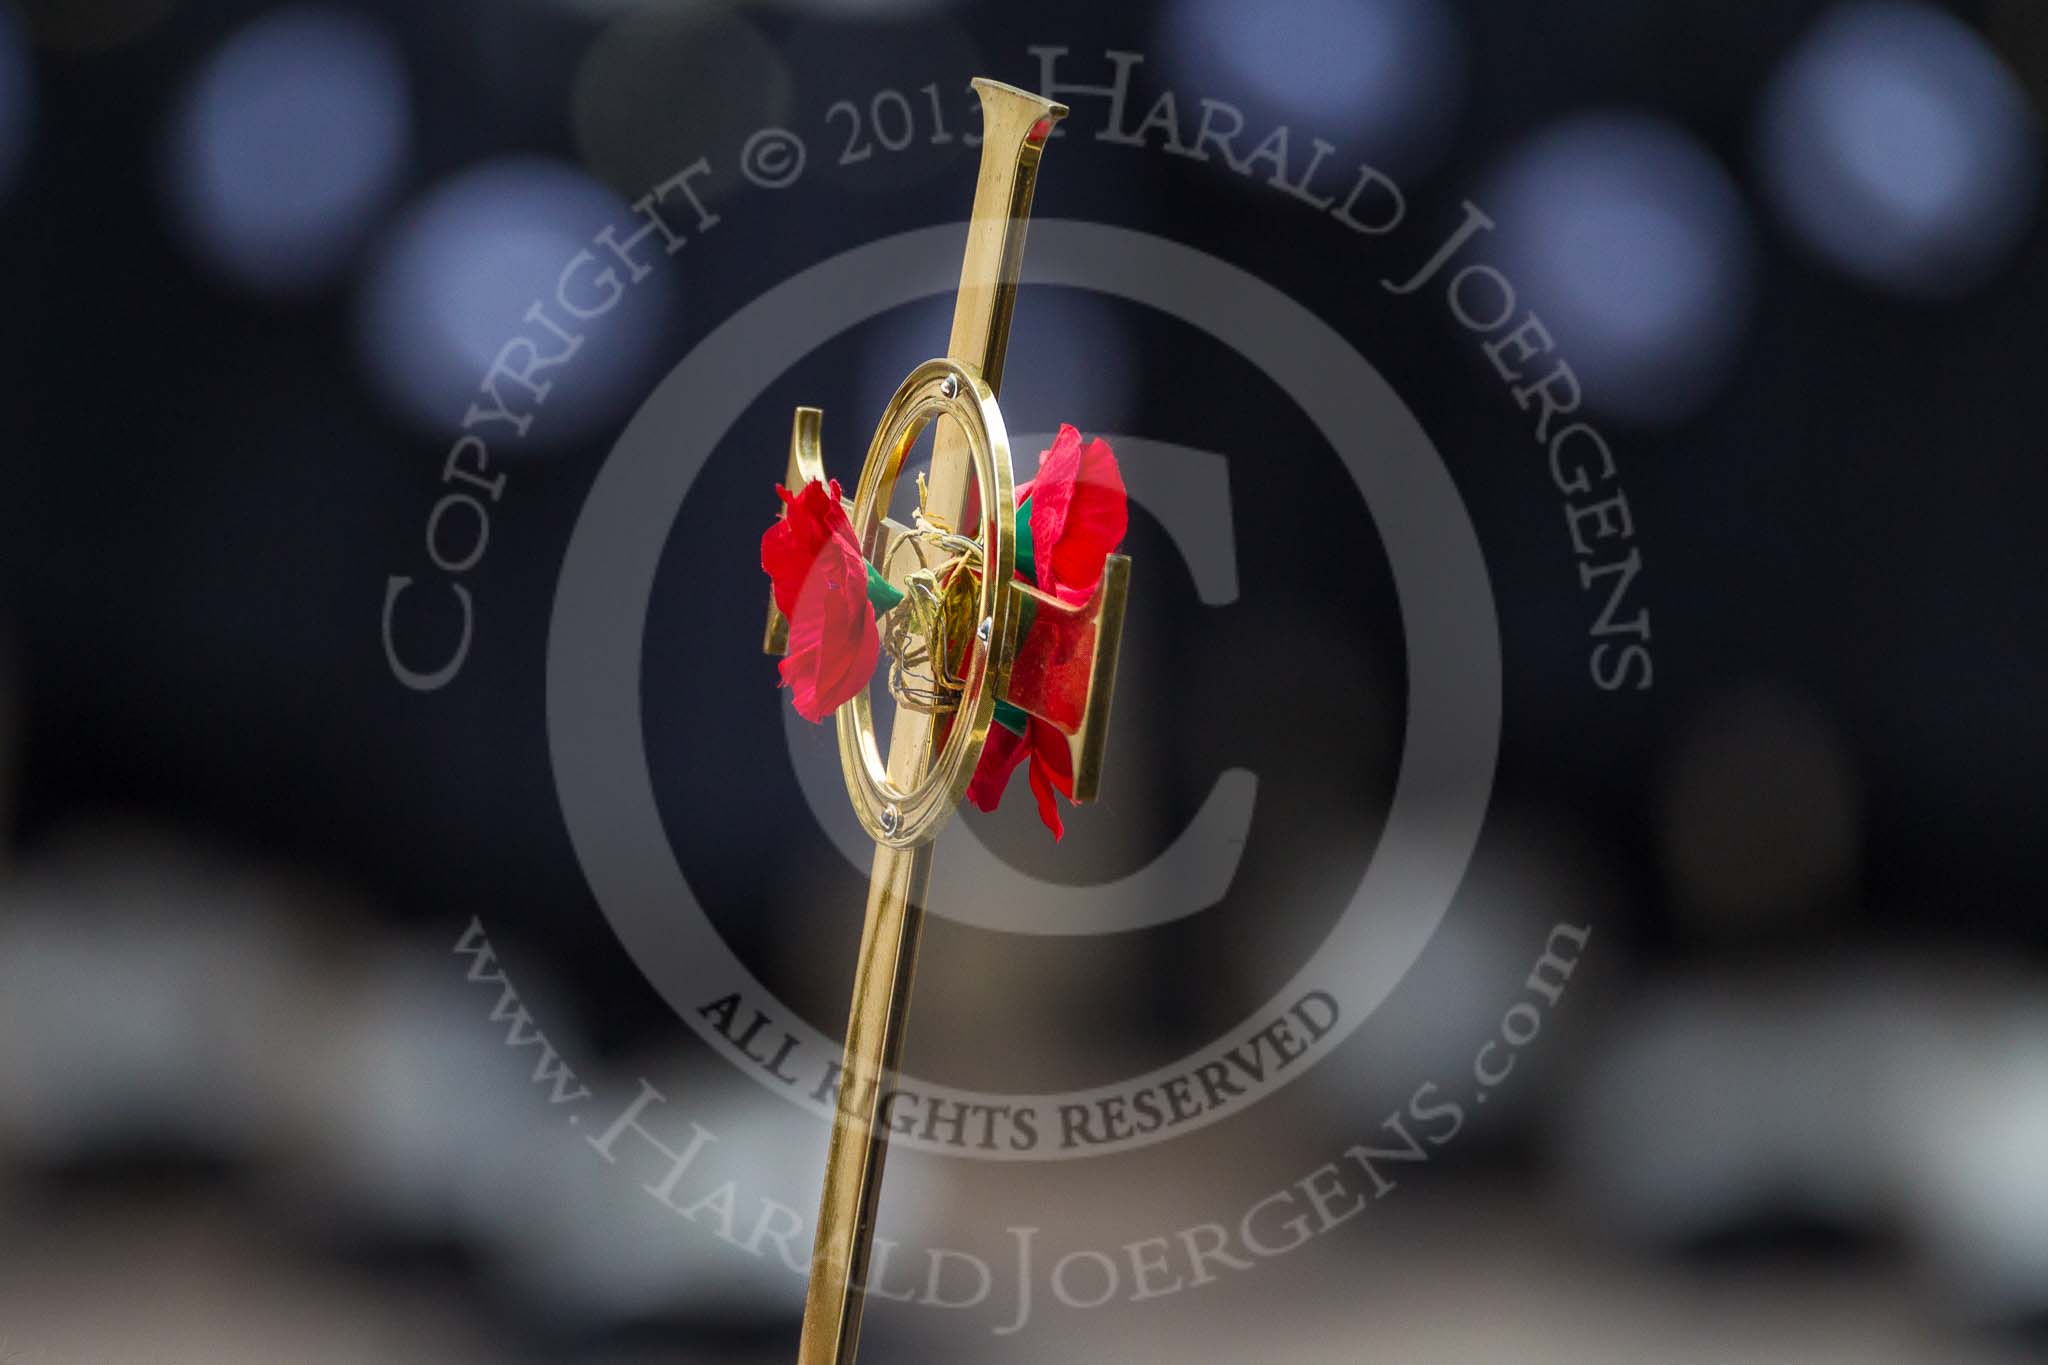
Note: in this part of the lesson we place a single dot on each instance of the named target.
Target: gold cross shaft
(1014, 124)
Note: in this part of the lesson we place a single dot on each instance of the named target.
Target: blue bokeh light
(17, 97)
(1633, 245)
(1384, 78)
(1901, 149)
(287, 145)
(452, 283)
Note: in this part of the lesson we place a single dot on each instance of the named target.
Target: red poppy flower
(1052, 769)
(1078, 513)
(821, 585)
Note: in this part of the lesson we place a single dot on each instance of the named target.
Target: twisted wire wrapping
(937, 610)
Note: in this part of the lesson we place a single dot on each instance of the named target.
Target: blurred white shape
(1667, 1143)
(144, 995)
(419, 1087)
(205, 1279)
(17, 97)
(1864, 1093)
(1849, 1034)
(1727, 1100)
(1072, 359)
(1762, 814)
(451, 285)
(1900, 148)
(1632, 244)
(287, 145)
(583, 1235)
(586, 1237)
(1384, 78)
(1977, 1166)
(1533, 876)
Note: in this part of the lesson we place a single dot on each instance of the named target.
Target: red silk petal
(1053, 489)
(999, 760)
(833, 642)
(1048, 809)
(1052, 770)
(820, 582)
(1079, 514)
(1049, 751)
(1098, 515)
(811, 518)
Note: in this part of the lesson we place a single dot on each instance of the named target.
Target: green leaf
(1027, 556)
(880, 593)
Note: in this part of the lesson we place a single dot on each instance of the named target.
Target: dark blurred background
(1794, 1105)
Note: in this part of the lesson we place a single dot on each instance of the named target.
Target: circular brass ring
(904, 810)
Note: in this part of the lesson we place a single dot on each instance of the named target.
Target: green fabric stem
(1027, 559)
(880, 593)
(1012, 718)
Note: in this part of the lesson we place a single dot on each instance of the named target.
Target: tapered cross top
(974, 636)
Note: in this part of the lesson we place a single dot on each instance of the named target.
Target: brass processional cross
(980, 636)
